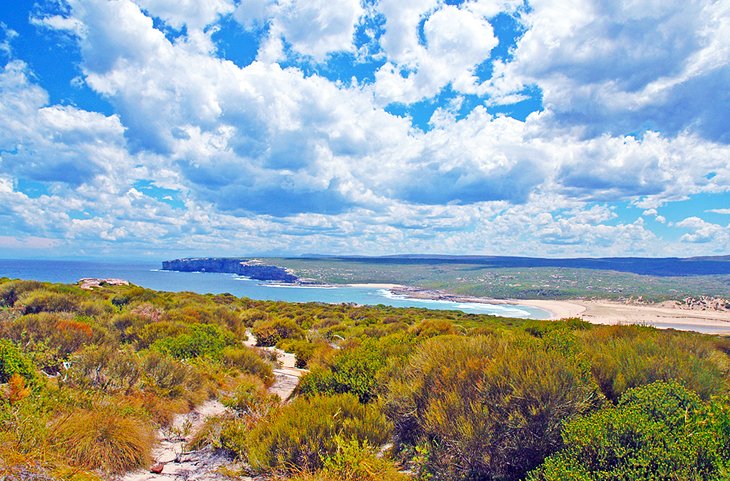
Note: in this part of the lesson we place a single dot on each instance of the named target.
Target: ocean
(150, 275)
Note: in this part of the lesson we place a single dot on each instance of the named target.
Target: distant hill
(664, 266)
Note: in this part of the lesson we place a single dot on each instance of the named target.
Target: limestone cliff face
(243, 267)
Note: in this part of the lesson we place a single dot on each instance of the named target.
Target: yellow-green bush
(168, 377)
(46, 301)
(247, 360)
(250, 398)
(486, 407)
(623, 357)
(106, 368)
(270, 332)
(300, 434)
(353, 461)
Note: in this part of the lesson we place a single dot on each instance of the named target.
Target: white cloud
(719, 211)
(266, 155)
(195, 14)
(618, 67)
(456, 40)
(702, 231)
(314, 28)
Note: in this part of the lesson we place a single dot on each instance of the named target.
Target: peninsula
(251, 268)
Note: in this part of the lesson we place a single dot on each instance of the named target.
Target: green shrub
(302, 349)
(659, 431)
(106, 368)
(353, 370)
(250, 398)
(247, 360)
(46, 301)
(200, 340)
(57, 332)
(300, 434)
(170, 378)
(11, 291)
(485, 407)
(270, 332)
(13, 361)
(104, 439)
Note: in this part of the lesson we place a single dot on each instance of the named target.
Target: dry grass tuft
(104, 440)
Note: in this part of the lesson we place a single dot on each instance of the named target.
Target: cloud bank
(315, 143)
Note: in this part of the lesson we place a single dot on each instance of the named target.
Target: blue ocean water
(148, 274)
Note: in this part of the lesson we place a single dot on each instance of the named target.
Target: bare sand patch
(661, 316)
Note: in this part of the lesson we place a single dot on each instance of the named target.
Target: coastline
(660, 316)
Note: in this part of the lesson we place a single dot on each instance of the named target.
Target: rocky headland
(250, 268)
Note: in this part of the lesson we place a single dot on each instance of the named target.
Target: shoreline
(661, 316)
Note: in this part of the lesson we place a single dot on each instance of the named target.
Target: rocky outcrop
(93, 282)
(233, 265)
(705, 303)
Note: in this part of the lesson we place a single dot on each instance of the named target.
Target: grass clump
(104, 439)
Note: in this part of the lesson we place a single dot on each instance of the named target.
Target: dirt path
(286, 377)
(201, 465)
(179, 464)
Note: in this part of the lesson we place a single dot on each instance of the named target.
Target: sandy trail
(286, 377)
(202, 465)
(180, 464)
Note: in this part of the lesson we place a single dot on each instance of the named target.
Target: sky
(555, 128)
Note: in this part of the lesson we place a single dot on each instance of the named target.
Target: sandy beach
(610, 312)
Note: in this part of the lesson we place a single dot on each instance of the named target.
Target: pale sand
(609, 312)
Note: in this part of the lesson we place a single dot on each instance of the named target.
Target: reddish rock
(157, 468)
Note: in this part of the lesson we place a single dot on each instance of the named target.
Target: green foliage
(11, 291)
(170, 378)
(247, 360)
(353, 371)
(106, 368)
(302, 349)
(45, 301)
(659, 431)
(200, 340)
(304, 432)
(485, 407)
(353, 461)
(250, 398)
(13, 361)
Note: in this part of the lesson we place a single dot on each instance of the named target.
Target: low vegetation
(87, 378)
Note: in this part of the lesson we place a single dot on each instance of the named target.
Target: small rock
(157, 468)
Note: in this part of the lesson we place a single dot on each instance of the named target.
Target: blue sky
(162, 128)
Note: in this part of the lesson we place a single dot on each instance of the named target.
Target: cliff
(233, 265)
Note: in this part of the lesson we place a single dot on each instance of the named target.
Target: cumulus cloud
(201, 154)
(702, 231)
(191, 13)
(53, 143)
(622, 67)
(314, 28)
(456, 40)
